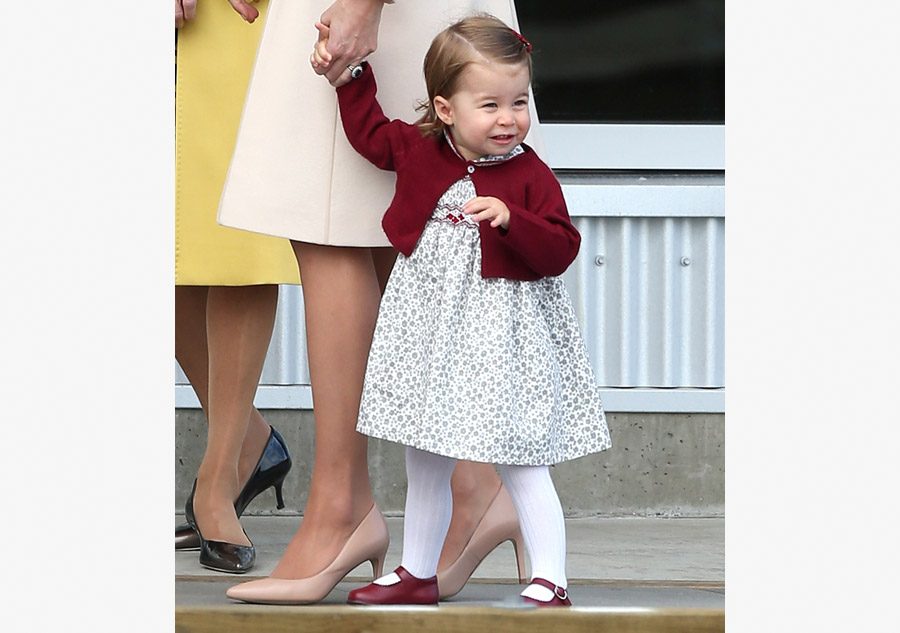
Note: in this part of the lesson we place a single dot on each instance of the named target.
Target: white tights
(429, 505)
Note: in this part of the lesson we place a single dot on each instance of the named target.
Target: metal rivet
(599, 260)
(685, 261)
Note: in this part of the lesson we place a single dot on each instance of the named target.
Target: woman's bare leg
(193, 355)
(473, 486)
(190, 338)
(340, 325)
(235, 326)
(341, 295)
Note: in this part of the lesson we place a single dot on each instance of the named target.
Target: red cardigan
(540, 241)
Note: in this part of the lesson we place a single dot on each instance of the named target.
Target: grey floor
(613, 563)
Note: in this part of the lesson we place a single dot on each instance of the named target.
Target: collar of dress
(489, 158)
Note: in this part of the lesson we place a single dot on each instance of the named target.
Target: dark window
(634, 61)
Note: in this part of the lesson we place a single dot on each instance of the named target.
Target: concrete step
(621, 551)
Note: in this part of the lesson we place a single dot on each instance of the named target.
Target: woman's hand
(245, 9)
(186, 10)
(488, 208)
(352, 33)
(321, 58)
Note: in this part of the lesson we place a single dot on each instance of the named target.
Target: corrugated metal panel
(649, 293)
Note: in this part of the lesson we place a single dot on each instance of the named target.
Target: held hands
(488, 208)
(186, 10)
(321, 59)
(348, 31)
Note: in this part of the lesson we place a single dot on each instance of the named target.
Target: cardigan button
(471, 169)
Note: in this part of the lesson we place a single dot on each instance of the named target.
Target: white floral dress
(489, 370)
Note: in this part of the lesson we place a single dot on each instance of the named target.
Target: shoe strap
(556, 589)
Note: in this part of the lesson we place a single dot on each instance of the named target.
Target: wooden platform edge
(348, 619)
(573, 582)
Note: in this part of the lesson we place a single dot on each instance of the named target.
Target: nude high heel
(499, 524)
(368, 542)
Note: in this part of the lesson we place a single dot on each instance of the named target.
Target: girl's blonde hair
(474, 39)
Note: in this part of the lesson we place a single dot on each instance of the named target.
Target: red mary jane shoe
(410, 590)
(560, 595)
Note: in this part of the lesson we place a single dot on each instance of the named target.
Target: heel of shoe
(378, 565)
(279, 499)
(519, 548)
(271, 470)
(189, 509)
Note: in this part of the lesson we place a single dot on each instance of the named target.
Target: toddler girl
(477, 353)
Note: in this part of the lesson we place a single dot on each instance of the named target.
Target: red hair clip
(523, 40)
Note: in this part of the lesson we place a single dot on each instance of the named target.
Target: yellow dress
(215, 57)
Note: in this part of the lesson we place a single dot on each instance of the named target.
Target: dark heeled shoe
(230, 558)
(186, 539)
(271, 470)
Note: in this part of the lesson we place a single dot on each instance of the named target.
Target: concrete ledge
(346, 619)
(660, 465)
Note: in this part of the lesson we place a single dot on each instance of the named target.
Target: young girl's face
(489, 112)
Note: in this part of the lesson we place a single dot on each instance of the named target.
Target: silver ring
(355, 71)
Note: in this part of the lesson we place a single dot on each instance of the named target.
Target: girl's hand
(320, 57)
(353, 26)
(488, 208)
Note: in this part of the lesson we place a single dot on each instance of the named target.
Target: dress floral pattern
(489, 370)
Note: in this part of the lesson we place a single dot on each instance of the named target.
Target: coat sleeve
(540, 230)
(379, 140)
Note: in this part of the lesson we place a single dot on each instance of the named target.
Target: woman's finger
(190, 9)
(245, 9)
